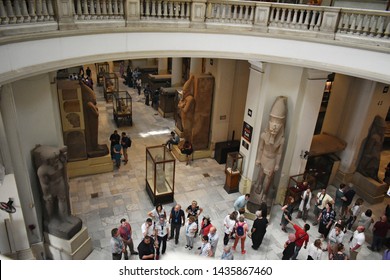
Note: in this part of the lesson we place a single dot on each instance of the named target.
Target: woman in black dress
(326, 219)
(258, 230)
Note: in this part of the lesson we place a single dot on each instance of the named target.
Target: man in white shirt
(356, 243)
(322, 199)
(213, 240)
(147, 228)
(161, 230)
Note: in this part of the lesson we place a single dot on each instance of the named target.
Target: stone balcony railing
(23, 19)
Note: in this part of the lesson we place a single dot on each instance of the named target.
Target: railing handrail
(360, 27)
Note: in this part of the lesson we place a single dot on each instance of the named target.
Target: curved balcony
(28, 20)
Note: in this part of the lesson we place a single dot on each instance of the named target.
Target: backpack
(128, 142)
(240, 229)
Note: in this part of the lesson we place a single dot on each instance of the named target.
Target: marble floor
(121, 193)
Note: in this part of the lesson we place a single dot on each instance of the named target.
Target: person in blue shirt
(174, 140)
(241, 202)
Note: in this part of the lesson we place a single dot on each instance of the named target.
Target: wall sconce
(304, 155)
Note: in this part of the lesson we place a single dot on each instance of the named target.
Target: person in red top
(301, 237)
(126, 234)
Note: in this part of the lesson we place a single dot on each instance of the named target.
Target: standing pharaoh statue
(269, 154)
(50, 164)
(371, 153)
(186, 108)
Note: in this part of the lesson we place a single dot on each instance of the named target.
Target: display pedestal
(232, 181)
(370, 190)
(195, 155)
(90, 166)
(77, 248)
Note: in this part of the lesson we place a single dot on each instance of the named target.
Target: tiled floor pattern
(121, 194)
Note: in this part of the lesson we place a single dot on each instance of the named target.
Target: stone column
(196, 66)
(177, 69)
(163, 66)
(252, 116)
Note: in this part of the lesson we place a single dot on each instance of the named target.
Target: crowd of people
(202, 238)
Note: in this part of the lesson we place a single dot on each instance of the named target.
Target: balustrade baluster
(312, 20)
(188, 10)
(109, 9)
(159, 12)
(78, 11)
(121, 11)
(217, 11)
(359, 27)
(170, 10)
(366, 25)
(209, 11)
(45, 13)
(92, 9)
(246, 14)
(147, 8)
(153, 12)
(39, 10)
(115, 9)
(10, 11)
(18, 14)
(282, 18)
(165, 9)
(318, 21)
(373, 29)
(387, 31)
(288, 19)
(301, 19)
(305, 24)
(182, 10)
(50, 10)
(104, 9)
(99, 10)
(277, 16)
(31, 10)
(294, 19)
(252, 14)
(3, 14)
(84, 6)
(352, 27)
(224, 9)
(381, 26)
(24, 11)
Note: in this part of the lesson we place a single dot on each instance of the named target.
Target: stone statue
(91, 119)
(50, 164)
(186, 107)
(269, 154)
(371, 153)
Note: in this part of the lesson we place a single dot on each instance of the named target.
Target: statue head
(277, 115)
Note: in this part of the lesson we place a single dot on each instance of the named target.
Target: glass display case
(101, 70)
(296, 187)
(110, 86)
(233, 170)
(160, 174)
(122, 108)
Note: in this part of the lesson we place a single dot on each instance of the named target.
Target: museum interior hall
(266, 95)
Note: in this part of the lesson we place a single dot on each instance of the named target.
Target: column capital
(257, 65)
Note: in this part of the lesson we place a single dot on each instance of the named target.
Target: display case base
(163, 198)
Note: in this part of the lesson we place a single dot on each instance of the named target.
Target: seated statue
(50, 164)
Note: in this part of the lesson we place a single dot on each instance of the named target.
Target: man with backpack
(125, 143)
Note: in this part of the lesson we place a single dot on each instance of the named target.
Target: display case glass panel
(122, 108)
(101, 70)
(111, 85)
(233, 170)
(160, 174)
